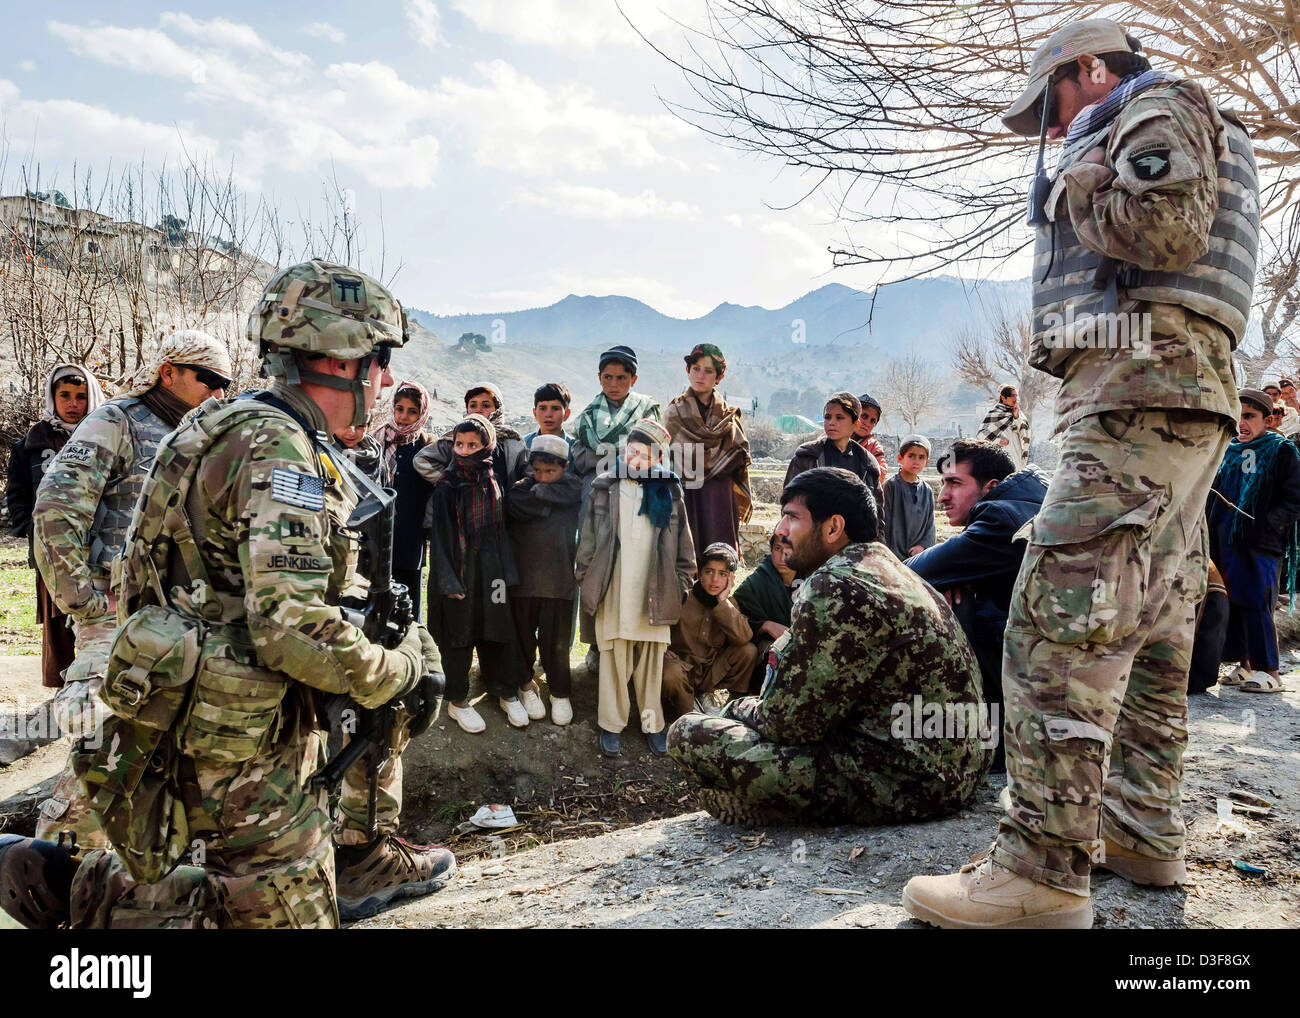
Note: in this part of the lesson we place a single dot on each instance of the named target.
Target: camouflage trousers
(354, 797)
(76, 706)
(808, 784)
(1098, 644)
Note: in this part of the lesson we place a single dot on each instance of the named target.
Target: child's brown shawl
(723, 438)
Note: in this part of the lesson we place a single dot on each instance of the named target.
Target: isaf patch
(1150, 164)
(78, 452)
(292, 487)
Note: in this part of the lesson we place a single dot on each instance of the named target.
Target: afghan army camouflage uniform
(80, 519)
(829, 740)
(1099, 638)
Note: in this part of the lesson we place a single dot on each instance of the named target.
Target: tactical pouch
(150, 667)
(131, 781)
(235, 710)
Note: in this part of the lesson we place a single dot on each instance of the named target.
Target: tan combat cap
(1064, 46)
(187, 346)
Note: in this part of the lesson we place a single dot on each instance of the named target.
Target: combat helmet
(321, 307)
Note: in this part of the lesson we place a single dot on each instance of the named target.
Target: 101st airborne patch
(1150, 163)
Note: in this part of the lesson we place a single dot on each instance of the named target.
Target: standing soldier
(79, 522)
(1151, 223)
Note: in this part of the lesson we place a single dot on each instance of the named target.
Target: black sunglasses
(207, 376)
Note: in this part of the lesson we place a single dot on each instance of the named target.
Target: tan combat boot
(1142, 869)
(986, 896)
(373, 876)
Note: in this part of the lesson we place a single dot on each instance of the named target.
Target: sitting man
(976, 570)
(835, 735)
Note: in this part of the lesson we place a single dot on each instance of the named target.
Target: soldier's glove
(424, 702)
(411, 650)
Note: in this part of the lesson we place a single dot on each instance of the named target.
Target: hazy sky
(519, 148)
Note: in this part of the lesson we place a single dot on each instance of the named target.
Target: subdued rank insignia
(348, 292)
(295, 488)
(1151, 164)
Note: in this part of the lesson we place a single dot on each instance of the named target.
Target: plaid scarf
(1001, 418)
(1093, 120)
(478, 501)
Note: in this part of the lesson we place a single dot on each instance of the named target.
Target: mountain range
(786, 358)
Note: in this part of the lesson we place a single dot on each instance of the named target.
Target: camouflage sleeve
(64, 513)
(1152, 206)
(834, 649)
(285, 559)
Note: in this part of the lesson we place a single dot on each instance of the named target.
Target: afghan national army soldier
(871, 712)
(1144, 269)
(80, 519)
(231, 633)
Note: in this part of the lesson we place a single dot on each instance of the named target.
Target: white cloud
(518, 124)
(800, 250)
(583, 202)
(424, 20)
(357, 116)
(69, 128)
(324, 30)
(585, 24)
(27, 65)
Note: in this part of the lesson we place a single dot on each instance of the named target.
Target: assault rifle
(384, 616)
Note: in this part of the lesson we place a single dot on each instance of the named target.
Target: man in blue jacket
(976, 570)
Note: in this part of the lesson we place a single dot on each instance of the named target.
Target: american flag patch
(294, 488)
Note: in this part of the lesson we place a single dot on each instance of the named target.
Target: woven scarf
(600, 424)
(657, 487)
(478, 501)
(1245, 473)
(1093, 120)
(719, 432)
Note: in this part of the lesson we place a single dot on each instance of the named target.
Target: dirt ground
(620, 844)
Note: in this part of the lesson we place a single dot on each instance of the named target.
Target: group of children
(529, 533)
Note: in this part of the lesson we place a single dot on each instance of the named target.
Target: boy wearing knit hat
(542, 510)
(600, 434)
(909, 502)
(711, 647)
(864, 431)
(635, 564)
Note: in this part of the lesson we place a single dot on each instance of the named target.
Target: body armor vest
(1073, 284)
(117, 503)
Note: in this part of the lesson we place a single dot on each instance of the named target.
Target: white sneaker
(515, 713)
(533, 704)
(561, 710)
(468, 718)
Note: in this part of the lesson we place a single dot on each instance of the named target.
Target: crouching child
(636, 563)
(542, 514)
(711, 645)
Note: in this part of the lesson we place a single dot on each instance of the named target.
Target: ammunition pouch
(234, 713)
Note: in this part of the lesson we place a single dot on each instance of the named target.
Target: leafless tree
(892, 106)
(911, 388)
(994, 351)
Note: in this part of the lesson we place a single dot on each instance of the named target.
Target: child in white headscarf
(71, 392)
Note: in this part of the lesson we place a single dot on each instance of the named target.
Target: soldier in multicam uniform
(240, 531)
(1152, 219)
(836, 735)
(80, 518)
